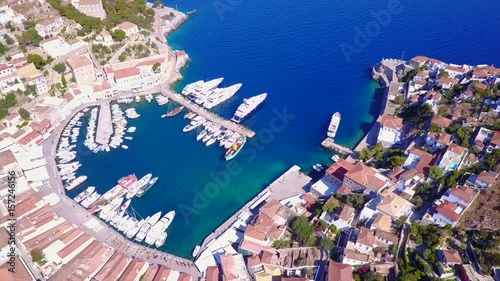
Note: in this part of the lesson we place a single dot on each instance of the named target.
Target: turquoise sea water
(289, 49)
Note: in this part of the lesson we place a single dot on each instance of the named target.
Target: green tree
(400, 222)
(60, 68)
(29, 23)
(156, 66)
(399, 99)
(9, 101)
(302, 228)
(444, 74)
(8, 39)
(38, 256)
(25, 114)
(434, 128)
(326, 244)
(435, 172)
(3, 49)
(311, 240)
(395, 161)
(356, 200)
(329, 207)
(333, 229)
(37, 60)
(118, 35)
(464, 135)
(30, 37)
(122, 57)
(63, 81)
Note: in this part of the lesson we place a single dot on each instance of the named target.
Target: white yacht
(247, 107)
(334, 125)
(132, 191)
(159, 228)
(90, 199)
(147, 226)
(220, 95)
(80, 197)
(135, 229)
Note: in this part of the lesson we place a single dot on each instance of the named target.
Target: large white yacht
(247, 107)
(220, 95)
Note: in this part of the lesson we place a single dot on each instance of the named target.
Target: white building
(83, 69)
(390, 132)
(40, 82)
(92, 8)
(7, 14)
(104, 38)
(453, 157)
(11, 83)
(50, 26)
(128, 27)
(55, 47)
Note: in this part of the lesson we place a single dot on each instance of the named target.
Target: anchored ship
(159, 228)
(147, 226)
(235, 148)
(80, 197)
(247, 107)
(334, 125)
(132, 191)
(76, 182)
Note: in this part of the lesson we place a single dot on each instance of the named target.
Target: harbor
(104, 125)
(291, 183)
(329, 143)
(208, 115)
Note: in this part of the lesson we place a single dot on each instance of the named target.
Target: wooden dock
(104, 125)
(208, 114)
(330, 144)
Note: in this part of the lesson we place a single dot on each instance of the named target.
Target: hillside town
(416, 200)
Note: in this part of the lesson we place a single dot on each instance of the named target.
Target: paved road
(74, 213)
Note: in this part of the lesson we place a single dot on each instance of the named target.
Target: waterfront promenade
(207, 114)
(74, 213)
(292, 183)
(104, 125)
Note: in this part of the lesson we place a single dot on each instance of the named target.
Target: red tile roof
(392, 122)
(455, 148)
(496, 138)
(29, 138)
(441, 121)
(488, 177)
(465, 193)
(184, 277)
(162, 273)
(127, 72)
(21, 272)
(447, 80)
(365, 176)
(452, 257)
(339, 169)
(133, 270)
(366, 236)
(213, 272)
(454, 68)
(339, 272)
(229, 269)
(447, 209)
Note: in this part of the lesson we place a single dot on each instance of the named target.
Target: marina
(208, 115)
(104, 126)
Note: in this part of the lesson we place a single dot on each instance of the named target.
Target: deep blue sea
(312, 60)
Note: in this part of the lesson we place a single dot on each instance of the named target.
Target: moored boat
(76, 182)
(334, 125)
(175, 111)
(161, 239)
(80, 197)
(146, 227)
(146, 187)
(235, 148)
(196, 251)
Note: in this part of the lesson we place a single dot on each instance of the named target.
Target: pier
(208, 114)
(292, 183)
(330, 144)
(104, 125)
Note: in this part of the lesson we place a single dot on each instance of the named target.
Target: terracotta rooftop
(353, 255)
(4, 237)
(213, 273)
(392, 122)
(454, 68)
(447, 209)
(127, 72)
(133, 270)
(455, 148)
(339, 169)
(496, 138)
(391, 204)
(447, 80)
(444, 138)
(229, 269)
(382, 222)
(389, 236)
(105, 33)
(78, 61)
(271, 208)
(29, 138)
(184, 277)
(251, 231)
(420, 59)
(465, 193)
(339, 272)
(452, 257)
(162, 273)
(441, 121)
(346, 212)
(126, 25)
(6, 158)
(366, 236)
(85, 263)
(488, 177)
(113, 268)
(365, 176)
(73, 246)
(150, 273)
(21, 272)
